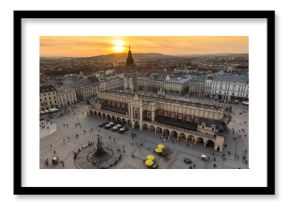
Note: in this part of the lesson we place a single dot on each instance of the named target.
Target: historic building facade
(197, 85)
(85, 86)
(183, 121)
(48, 97)
(66, 96)
(176, 85)
(86, 89)
(150, 81)
(229, 86)
(111, 83)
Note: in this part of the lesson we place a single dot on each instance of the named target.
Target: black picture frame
(268, 190)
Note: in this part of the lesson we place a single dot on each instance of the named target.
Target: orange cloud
(173, 45)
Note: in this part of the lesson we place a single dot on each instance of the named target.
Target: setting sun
(118, 46)
(76, 46)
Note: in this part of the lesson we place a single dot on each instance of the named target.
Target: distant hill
(121, 57)
(215, 54)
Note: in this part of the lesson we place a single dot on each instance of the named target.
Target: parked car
(115, 128)
(108, 126)
(123, 129)
(203, 157)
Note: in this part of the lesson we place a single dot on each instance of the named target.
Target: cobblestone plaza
(65, 132)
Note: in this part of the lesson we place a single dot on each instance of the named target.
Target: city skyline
(85, 46)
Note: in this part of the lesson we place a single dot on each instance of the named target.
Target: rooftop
(166, 100)
(198, 78)
(47, 88)
(231, 77)
(179, 80)
(63, 89)
(155, 75)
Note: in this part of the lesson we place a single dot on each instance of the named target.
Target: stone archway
(200, 141)
(114, 118)
(99, 114)
(174, 134)
(145, 126)
(109, 117)
(209, 143)
(119, 120)
(123, 121)
(166, 132)
(159, 130)
(104, 115)
(95, 113)
(191, 139)
(182, 137)
(152, 128)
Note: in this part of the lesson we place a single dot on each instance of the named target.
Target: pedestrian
(46, 162)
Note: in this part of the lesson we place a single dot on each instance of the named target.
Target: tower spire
(130, 60)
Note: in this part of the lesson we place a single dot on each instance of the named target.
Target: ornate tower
(130, 75)
(130, 60)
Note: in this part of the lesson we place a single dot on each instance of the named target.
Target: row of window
(45, 99)
(48, 94)
(228, 93)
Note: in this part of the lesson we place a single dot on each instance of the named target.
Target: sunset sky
(81, 46)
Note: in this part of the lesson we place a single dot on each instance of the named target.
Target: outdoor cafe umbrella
(161, 146)
(150, 157)
(158, 150)
(149, 162)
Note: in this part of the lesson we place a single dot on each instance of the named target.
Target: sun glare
(118, 46)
